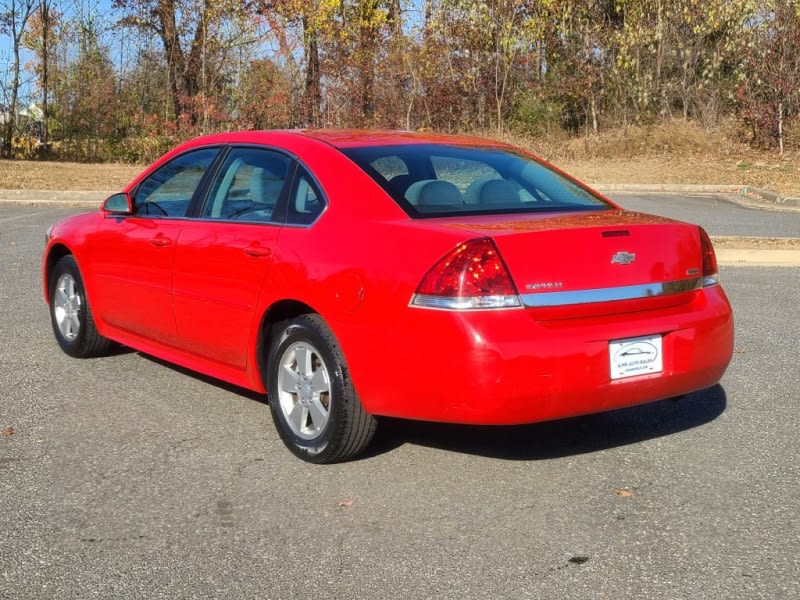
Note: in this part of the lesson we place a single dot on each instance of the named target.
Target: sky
(99, 11)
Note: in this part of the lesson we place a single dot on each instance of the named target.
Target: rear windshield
(434, 180)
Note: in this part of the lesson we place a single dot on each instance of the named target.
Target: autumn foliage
(131, 82)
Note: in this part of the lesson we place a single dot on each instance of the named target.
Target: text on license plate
(635, 356)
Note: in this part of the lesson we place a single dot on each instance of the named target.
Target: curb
(670, 188)
(755, 243)
(769, 196)
(739, 251)
(54, 197)
(750, 257)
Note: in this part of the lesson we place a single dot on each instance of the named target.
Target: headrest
(412, 193)
(499, 191)
(439, 193)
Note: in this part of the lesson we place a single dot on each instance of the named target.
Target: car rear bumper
(520, 366)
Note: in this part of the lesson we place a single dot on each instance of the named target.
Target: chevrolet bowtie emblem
(623, 258)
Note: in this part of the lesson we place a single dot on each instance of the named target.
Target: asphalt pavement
(124, 477)
(718, 214)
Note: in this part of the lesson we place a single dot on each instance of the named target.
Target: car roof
(348, 138)
(345, 138)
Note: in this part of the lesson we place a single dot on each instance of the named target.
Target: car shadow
(116, 349)
(557, 439)
(537, 441)
(217, 383)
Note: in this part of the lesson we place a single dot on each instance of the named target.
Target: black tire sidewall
(68, 265)
(289, 332)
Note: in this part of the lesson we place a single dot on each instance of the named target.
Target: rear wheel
(312, 400)
(70, 314)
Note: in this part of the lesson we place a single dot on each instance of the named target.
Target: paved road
(716, 214)
(127, 478)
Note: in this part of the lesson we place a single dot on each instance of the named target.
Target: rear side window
(429, 180)
(306, 202)
(248, 186)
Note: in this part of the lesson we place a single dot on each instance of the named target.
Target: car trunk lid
(596, 262)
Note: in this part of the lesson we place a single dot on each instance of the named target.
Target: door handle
(160, 241)
(257, 251)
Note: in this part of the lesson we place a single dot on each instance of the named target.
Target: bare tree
(47, 20)
(14, 16)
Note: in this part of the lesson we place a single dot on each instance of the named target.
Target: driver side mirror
(119, 204)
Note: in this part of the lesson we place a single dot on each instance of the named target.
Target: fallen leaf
(624, 493)
(345, 503)
(7, 432)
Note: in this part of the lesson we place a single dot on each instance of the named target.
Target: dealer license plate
(635, 356)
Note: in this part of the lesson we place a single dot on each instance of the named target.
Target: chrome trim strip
(467, 303)
(627, 292)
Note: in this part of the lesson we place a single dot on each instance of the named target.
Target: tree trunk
(45, 8)
(18, 17)
(11, 122)
(196, 65)
(176, 60)
(312, 94)
(367, 43)
(396, 19)
(408, 112)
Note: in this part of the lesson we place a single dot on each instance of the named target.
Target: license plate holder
(635, 356)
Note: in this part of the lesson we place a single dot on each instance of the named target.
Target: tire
(70, 314)
(312, 400)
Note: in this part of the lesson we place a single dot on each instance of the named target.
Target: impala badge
(623, 258)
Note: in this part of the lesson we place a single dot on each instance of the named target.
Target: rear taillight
(471, 276)
(710, 269)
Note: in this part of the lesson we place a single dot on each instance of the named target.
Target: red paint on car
(443, 278)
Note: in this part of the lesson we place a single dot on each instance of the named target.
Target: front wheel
(312, 400)
(70, 314)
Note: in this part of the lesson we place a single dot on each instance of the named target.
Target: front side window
(168, 191)
(442, 180)
(248, 186)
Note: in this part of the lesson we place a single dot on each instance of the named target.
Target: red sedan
(351, 275)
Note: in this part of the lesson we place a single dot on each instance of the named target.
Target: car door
(133, 255)
(223, 255)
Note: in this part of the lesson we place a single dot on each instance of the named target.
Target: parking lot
(125, 477)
